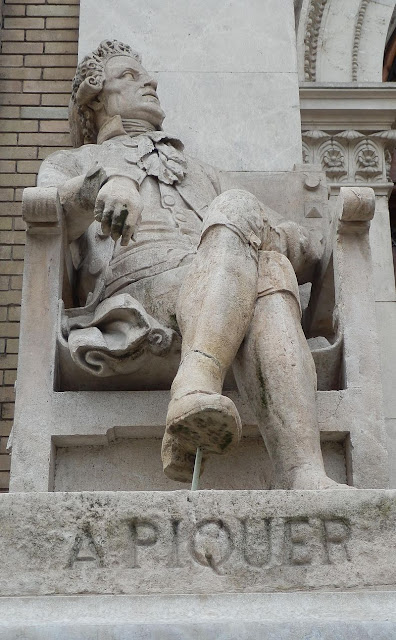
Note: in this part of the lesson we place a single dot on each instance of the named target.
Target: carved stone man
(152, 228)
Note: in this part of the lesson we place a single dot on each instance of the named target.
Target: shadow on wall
(389, 75)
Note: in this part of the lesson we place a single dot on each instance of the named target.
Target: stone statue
(164, 248)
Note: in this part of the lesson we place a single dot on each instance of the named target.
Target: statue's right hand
(118, 208)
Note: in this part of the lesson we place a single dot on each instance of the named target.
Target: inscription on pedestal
(198, 542)
(254, 543)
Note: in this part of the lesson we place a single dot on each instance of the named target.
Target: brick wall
(37, 62)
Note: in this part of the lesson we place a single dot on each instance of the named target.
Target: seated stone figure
(178, 243)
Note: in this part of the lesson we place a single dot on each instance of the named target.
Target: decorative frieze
(350, 156)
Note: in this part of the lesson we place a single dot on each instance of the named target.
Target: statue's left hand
(118, 208)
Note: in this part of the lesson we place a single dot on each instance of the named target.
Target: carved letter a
(85, 549)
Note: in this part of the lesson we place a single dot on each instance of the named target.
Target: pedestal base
(268, 616)
(204, 564)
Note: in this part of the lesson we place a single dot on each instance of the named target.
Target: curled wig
(87, 84)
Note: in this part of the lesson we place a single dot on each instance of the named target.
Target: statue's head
(111, 81)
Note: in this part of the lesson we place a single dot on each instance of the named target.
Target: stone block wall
(37, 62)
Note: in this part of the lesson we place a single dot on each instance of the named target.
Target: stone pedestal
(250, 616)
(250, 564)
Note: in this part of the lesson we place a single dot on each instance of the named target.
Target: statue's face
(129, 91)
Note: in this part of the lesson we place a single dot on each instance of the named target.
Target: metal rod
(197, 469)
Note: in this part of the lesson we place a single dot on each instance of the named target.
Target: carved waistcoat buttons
(168, 200)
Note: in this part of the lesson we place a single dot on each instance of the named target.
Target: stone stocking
(276, 374)
(215, 307)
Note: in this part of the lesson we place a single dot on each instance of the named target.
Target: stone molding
(313, 24)
(338, 41)
(220, 616)
(336, 106)
(357, 154)
(350, 156)
(356, 38)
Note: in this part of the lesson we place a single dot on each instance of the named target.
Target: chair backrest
(300, 195)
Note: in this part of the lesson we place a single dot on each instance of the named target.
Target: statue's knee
(240, 211)
(237, 205)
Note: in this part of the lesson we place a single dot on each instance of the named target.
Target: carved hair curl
(87, 84)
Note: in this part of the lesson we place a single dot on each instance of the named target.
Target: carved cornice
(314, 20)
(369, 106)
(356, 37)
(350, 156)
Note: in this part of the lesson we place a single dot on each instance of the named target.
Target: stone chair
(58, 432)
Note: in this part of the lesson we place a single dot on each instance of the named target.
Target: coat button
(180, 217)
(168, 200)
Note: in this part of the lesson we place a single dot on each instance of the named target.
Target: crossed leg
(215, 306)
(274, 369)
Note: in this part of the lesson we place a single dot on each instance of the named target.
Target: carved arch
(342, 41)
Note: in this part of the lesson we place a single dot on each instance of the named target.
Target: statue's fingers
(117, 223)
(98, 210)
(127, 230)
(107, 216)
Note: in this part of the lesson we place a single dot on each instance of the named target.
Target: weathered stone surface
(135, 465)
(223, 69)
(210, 36)
(196, 542)
(272, 97)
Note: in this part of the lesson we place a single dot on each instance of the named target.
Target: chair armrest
(355, 210)
(42, 210)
